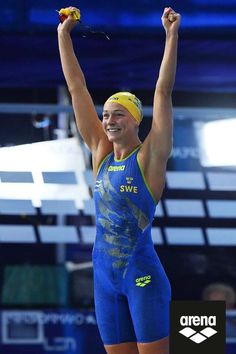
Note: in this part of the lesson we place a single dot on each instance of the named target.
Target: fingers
(170, 14)
(67, 24)
(173, 17)
(69, 12)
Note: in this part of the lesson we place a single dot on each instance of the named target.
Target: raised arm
(87, 120)
(162, 105)
(161, 130)
(158, 144)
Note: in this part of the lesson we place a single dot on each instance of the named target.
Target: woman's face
(117, 122)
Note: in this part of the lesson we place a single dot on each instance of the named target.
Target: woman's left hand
(170, 19)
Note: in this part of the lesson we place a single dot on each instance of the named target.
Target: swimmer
(132, 291)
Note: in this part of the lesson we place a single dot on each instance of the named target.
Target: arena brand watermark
(197, 327)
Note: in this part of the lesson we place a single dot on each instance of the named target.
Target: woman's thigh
(158, 347)
(123, 348)
(149, 296)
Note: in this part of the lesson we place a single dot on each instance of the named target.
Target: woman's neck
(122, 151)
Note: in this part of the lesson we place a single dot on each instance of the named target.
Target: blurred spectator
(220, 292)
(224, 292)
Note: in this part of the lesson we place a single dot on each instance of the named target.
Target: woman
(132, 292)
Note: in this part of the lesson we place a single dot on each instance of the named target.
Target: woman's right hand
(68, 24)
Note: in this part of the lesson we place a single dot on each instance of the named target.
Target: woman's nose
(111, 119)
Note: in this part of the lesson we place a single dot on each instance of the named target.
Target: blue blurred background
(29, 56)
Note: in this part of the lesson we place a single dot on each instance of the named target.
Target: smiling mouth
(113, 130)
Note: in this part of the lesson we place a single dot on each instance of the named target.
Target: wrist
(172, 34)
(62, 33)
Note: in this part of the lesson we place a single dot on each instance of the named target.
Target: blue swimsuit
(132, 291)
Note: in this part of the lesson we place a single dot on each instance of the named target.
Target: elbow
(76, 87)
(164, 87)
(164, 91)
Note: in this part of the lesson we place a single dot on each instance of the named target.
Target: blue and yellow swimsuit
(132, 291)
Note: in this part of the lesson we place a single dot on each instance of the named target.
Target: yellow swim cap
(130, 102)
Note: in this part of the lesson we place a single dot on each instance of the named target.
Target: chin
(112, 139)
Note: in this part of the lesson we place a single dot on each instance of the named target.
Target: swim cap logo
(143, 281)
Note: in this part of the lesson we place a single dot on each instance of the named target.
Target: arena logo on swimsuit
(116, 168)
(143, 281)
